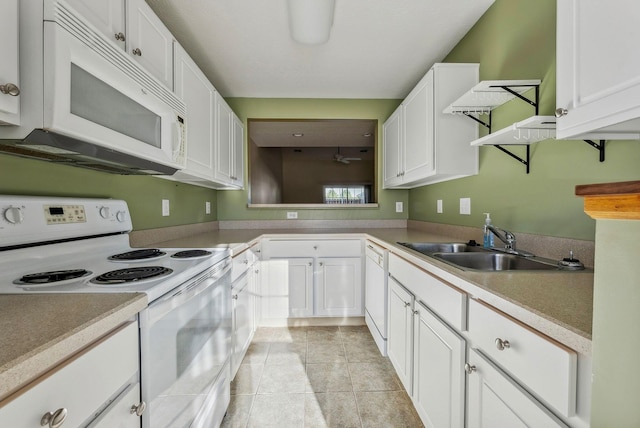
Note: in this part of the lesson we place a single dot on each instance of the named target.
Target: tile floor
(317, 377)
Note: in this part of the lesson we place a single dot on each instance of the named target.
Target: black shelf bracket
(598, 146)
(481, 122)
(526, 163)
(534, 102)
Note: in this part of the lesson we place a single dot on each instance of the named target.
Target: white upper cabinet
(108, 16)
(229, 148)
(199, 96)
(9, 66)
(149, 41)
(598, 69)
(431, 146)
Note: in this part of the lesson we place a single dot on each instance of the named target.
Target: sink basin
(490, 262)
(429, 248)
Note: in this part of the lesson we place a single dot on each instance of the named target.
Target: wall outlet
(399, 207)
(439, 206)
(207, 207)
(292, 215)
(165, 207)
(465, 206)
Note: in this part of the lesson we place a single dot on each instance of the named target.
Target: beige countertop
(38, 331)
(558, 304)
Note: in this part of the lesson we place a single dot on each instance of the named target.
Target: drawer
(545, 367)
(313, 248)
(82, 385)
(241, 264)
(447, 302)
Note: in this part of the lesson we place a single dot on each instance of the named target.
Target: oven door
(91, 94)
(185, 346)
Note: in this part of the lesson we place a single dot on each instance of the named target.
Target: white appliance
(86, 103)
(375, 302)
(68, 245)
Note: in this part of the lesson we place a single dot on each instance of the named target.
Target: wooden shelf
(528, 131)
(489, 94)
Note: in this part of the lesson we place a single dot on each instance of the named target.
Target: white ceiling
(377, 48)
(315, 133)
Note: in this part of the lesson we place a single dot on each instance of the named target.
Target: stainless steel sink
(429, 248)
(491, 262)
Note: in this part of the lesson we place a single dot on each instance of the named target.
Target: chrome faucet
(508, 238)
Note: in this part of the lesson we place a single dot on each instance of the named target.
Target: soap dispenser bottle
(487, 241)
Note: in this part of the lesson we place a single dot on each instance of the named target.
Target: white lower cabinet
(438, 378)
(307, 278)
(495, 400)
(243, 309)
(400, 339)
(97, 387)
(429, 357)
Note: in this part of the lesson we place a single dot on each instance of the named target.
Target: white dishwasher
(376, 294)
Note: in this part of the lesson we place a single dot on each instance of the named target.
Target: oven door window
(94, 100)
(183, 352)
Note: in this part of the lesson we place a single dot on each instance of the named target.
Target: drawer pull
(234, 297)
(406, 304)
(502, 344)
(416, 312)
(469, 368)
(138, 409)
(55, 419)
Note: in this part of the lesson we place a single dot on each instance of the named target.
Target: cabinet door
(223, 142)
(106, 15)
(400, 333)
(9, 66)
(438, 375)
(149, 41)
(242, 321)
(495, 400)
(597, 74)
(418, 131)
(339, 287)
(198, 94)
(392, 143)
(287, 288)
(237, 176)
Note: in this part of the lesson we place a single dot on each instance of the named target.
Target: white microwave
(100, 109)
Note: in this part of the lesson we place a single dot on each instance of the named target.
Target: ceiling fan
(342, 159)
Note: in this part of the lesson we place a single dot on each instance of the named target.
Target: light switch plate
(292, 215)
(439, 206)
(465, 206)
(399, 207)
(207, 207)
(165, 207)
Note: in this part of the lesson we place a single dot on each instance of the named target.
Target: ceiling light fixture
(298, 134)
(310, 21)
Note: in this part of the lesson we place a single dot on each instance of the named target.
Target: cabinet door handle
(234, 297)
(502, 344)
(120, 37)
(561, 112)
(469, 368)
(321, 264)
(416, 312)
(310, 264)
(138, 409)
(246, 261)
(137, 52)
(10, 89)
(406, 304)
(55, 419)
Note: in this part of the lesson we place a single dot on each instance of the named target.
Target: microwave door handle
(177, 140)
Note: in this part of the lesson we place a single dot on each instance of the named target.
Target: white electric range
(72, 245)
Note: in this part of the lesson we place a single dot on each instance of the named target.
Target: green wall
(19, 176)
(232, 205)
(515, 39)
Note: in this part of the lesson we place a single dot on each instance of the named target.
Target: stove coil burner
(53, 276)
(122, 276)
(143, 254)
(188, 254)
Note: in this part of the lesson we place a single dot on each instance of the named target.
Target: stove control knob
(105, 212)
(14, 215)
(120, 216)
